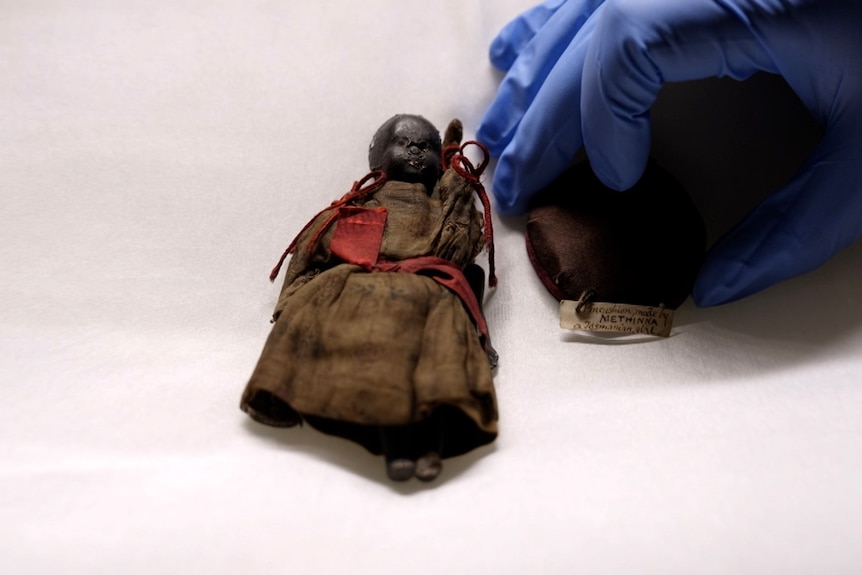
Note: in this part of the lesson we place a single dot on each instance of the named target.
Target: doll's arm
(311, 255)
(461, 237)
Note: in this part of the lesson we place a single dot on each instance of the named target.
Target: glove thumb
(794, 230)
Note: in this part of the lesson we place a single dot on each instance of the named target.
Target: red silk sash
(357, 239)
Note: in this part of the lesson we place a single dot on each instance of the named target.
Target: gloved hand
(585, 73)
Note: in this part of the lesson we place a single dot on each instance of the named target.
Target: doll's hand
(585, 73)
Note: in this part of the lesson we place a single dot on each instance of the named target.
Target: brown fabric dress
(351, 350)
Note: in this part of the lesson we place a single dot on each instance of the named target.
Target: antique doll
(378, 333)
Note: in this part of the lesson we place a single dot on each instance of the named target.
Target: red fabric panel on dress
(358, 234)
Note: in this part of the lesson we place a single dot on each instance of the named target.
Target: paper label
(616, 317)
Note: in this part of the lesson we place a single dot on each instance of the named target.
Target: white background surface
(157, 157)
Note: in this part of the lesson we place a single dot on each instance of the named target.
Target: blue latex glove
(585, 73)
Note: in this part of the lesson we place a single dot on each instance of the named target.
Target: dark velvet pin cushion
(643, 246)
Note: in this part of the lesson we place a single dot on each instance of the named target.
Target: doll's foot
(396, 442)
(400, 469)
(428, 466)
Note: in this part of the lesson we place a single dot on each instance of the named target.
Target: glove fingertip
(488, 135)
(618, 162)
(501, 53)
(725, 277)
(509, 201)
(616, 179)
(706, 294)
(515, 35)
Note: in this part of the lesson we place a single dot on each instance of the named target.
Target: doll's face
(412, 153)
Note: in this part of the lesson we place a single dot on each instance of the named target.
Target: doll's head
(408, 149)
